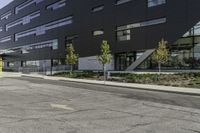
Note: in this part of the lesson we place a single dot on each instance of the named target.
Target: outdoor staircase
(141, 59)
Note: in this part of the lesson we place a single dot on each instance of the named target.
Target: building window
(5, 39)
(153, 22)
(42, 29)
(124, 35)
(152, 3)
(124, 32)
(70, 40)
(32, 64)
(53, 44)
(26, 4)
(124, 60)
(6, 15)
(22, 21)
(194, 31)
(56, 62)
(119, 2)
(5, 51)
(98, 8)
(57, 5)
(143, 24)
(10, 64)
(98, 32)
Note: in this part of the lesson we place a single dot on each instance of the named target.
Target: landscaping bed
(81, 75)
(179, 80)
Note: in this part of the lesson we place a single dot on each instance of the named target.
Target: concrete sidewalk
(180, 90)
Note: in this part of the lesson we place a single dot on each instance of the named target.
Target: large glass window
(47, 44)
(59, 4)
(152, 3)
(119, 2)
(6, 15)
(193, 31)
(25, 20)
(5, 39)
(124, 32)
(184, 53)
(143, 24)
(124, 60)
(10, 64)
(53, 44)
(98, 8)
(32, 63)
(26, 4)
(124, 35)
(42, 29)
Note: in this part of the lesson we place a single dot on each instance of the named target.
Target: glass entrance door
(124, 60)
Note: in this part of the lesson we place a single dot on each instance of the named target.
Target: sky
(4, 2)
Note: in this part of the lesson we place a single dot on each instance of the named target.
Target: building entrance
(124, 60)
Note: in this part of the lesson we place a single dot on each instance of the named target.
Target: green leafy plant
(71, 57)
(105, 57)
(161, 54)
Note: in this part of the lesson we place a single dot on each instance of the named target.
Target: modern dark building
(34, 34)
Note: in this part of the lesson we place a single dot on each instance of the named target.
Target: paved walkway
(182, 90)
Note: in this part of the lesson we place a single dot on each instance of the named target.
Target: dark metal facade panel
(181, 16)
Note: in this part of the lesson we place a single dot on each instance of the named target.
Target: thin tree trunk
(71, 70)
(104, 73)
(51, 68)
(159, 67)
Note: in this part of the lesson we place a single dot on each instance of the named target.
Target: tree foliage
(161, 54)
(105, 56)
(71, 57)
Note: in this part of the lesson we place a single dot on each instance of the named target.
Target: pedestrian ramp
(140, 60)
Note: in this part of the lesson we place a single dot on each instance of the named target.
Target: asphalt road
(29, 105)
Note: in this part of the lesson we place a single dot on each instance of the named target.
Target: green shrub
(8, 70)
(80, 74)
(179, 79)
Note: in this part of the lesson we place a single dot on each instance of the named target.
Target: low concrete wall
(91, 63)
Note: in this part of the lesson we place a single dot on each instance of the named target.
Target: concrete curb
(159, 88)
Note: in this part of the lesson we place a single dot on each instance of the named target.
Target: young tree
(71, 57)
(105, 56)
(161, 54)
